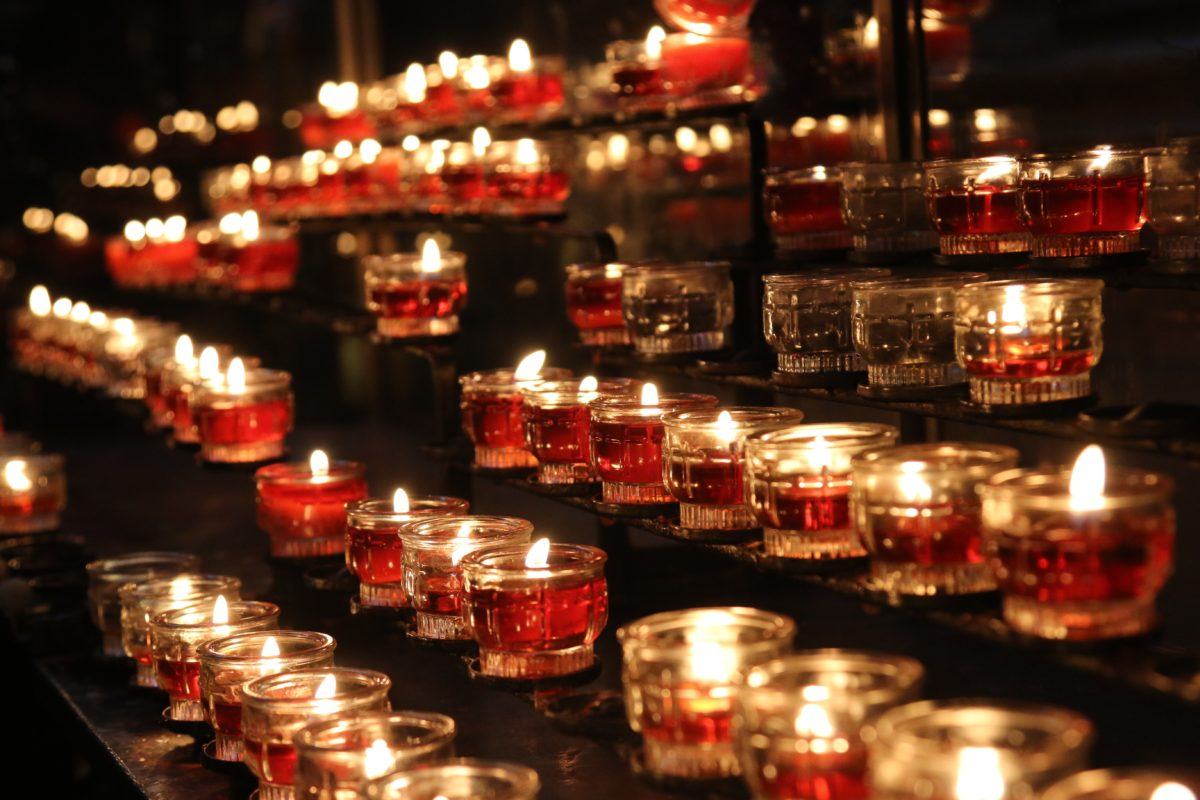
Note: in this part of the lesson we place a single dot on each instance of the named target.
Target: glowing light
(530, 366)
(813, 718)
(369, 150)
(1012, 312)
(589, 384)
(230, 224)
(99, 320)
(39, 301)
(803, 126)
(410, 143)
(318, 464)
(338, 99)
(838, 123)
(235, 377)
(985, 119)
(448, 64)
(538, 555)
(145, 140)
(618, 149)
(481, 139)
(1103, 157)
(185, 352)
(155, 229)
(326, 691)
(209, 364)
(400, 503)
(249, 222)
(431, 256)
(62, 308)
(725, 427)
(912, 486)
(476, 76)
(135, 231)
(80, 312)
(526, 153)
(939, 117)
(270, 648)
(343, 149)
(415, 83)
(654, 42)
(520, 59)
(180, 588)
(819, 454)
(721, 137)
(685, 139)
(16, 477)
(123, 326)
(378, 760)
(979, 776)
(220, 612)
(1172, 791)
(175, 228)
(710, 660)
(649, 395)
(1087, 480)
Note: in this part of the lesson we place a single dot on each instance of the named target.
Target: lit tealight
(39, 301)
(538, 556)
(235, 377)
(431, 256)
(400, 503)
(820, 456)
(62, 308)
(326, 691)
(318, 464)
(1087, 480)
(415, 83)
(448, 64)
(378, 760)
(220, 611)
(16, 477)
(979, 775)
(649, 395)
(185, 352)
(481, 139)
(520, 59)
(589, 384)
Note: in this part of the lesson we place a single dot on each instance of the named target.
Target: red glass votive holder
(276, 707)
(706, 69)
(492, 417)
(533, 93)
(1028, 343)
(975, 204)
(433, 580)
(637, 75)
(264, 262)
(176, 635)
(461, 777)
(534, 622)
(33, 492)
(1075, 565)
(107, 576)
(702, 454)
(798, 482)
(411, 296)
(558, 425)
(594, 303)
(706, 17)
(1087, 204)
(228, 663)
(804, 209)
(374, 551)
(1127, 783)
(681, 671)
(180, 381)
(917, 510)
(803, 721)
(335, 757)
(464, 175)
(527, 178)
(627, 437)
(304, 511)
(247, 421)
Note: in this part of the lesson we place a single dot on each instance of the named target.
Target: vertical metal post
(357, 24)
(756, 128)
(901, 77)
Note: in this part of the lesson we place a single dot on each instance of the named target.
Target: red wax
(1085, 205)
(558, 435)
(179, 679)
(527, 90)
(422, 298)
(156, 401)
(539, 618)
(307, 510)
(274, 761)
(938, 535)
(818, 776)
(804, 207)
(628, 452)
(713, 480)
(27, 504)
(464, 183)
(181, 417)
(268, 265)
(595, 303)
(529, 185)
(441, 103)
(692, 718)
(374, 555)
(438, 592)
(716, 63)
(1029, 361)
(985, 209)
(812, 503)
(494, 420)
(250, 423)
(632, 79)
(227, 718)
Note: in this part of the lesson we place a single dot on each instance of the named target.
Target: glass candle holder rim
(825, 276)
(439, 730)
(818, 173)
(616, 408)
(443, 531)
(39, 462)
(835, 434)
(652, 269)
(939, 164)
(505, 377)
(742, 418)
(644, 637)
(508, 561)
(258, 691)
(161, 586)
(266, 233)
(316, 645)
(299, 473)
(1098, 783)
(411, 263)
(570, 386)
(1073, 730)
(570, 399)
(104, 566)
(381, 510)
(1086, 154)
(1039, 286)
(699, 38)
(917, 282)
(939, 457)
(258, 380)
(879, 167)
(522, 781)
(905, 673)
(199, 615)
(1049, 489)
(584, 270)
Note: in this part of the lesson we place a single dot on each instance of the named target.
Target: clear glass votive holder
(806, 321)
(884, 206)
(681, 671)
(1127, 783)
(411, 297)
(276, 707)
(433, 577)
(975, 748)
(535, 622)
(175, 637)
(802, 722)
(804, 209)
(492, 415)
(33, 492)
(593, 300)
(558, 426)
(1027, 343)
(975, 204)
(626, 447)
(247, 423)
(916, 507)
(903, 330)
(527, 178)
(1086, 204)
(1173, 200)
(146, 599)
(458, 778)
(304, 513)
(106, 576)
(374, 550)
(798, 482)
(336, 757)
(228, 663)
(677, 308)
(637, 75)
(702, 462)
(1081, 574)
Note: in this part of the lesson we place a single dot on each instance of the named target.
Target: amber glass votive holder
(1080, 574)
(492, 415)
(558, 426)
(335, 757)
(433, 577)
(627, 440)
(1086, 204)
(1173, 200)
(1127, 783)
(410, 297)
(146, 599)
(593, 299)
(798, 482)
(1027, 343)
(276, 707)
(304, 513)
(1004, 751)
(244, 424)
(374, 551)
(804, 209)
(975, 204)
(806, 321)
(228, 663)
(884, 206)
(802, 721)
(702, 462)
(175, 637)
(682, 671)
(33, 492)
(458, 778)
(535, 622)
(916, 507)
(677, 308)
(108, 575)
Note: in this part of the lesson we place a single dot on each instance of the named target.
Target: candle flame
(16, 477)
(431, 256)
(464, 534)
(481, 139)
(820, 456)
(400, 503)
(530, 366)
(210, 363)
(185, 352)
(369, 150)
(1013, 313)
(589, 384)
(1103, 157)
(813, 718)
(1087, 480)
(99, 320)
(526, 153)
(270, 648)
(235, 376)
(649, 395)
(327, 689)
(1172, 791)
(135, 231)
(318, 463)
(39, 301)
(415, 83)
(122, 325)
(61, 308)
(181, 588)
(979, 775)
(80, 312)
(477, 77)
(686, 139)
(538, 555)
(912, 486)
(220, 612)
(520, 59)
(378, 760)
(448, 63)
(654, 42)
(711, 661)
(726, 428)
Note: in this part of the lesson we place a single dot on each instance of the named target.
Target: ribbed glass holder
(305, 547)
(145, 676)
(702, 342)
(914, 374)
(1084, 620)
(1023, 391)
(242, 453)
(546, 664)
(182, 709)
(635, 494)
(716, 518)
(565, 473)
(698, 761)
(1070, 245)
(1179, 248)
(973, 244)
(383, 595)
(406, 328)
(228, 748)
(817, 240)
(440, 626)
(604, 337)
(922, 580)
(812, 545)
(274, 791)
(503, 457)
(820, 362)
(898, 242)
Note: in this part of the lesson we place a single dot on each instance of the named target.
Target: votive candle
(302, 505)
(33, 492)
(106, 576)
(558, 425)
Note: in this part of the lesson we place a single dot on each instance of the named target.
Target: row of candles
(1087, 204)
